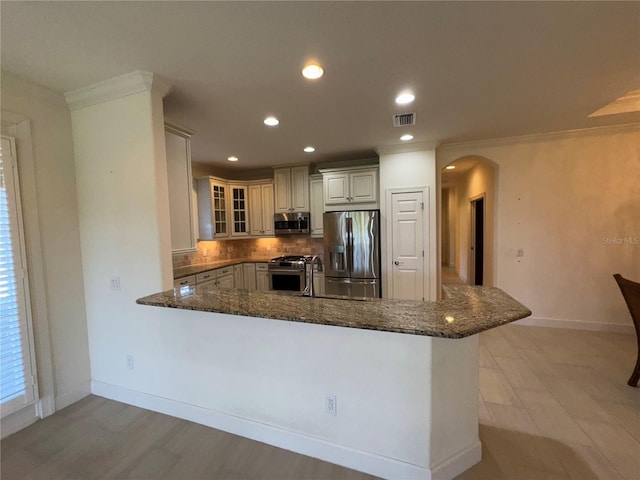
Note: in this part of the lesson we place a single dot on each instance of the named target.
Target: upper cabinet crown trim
(118, 87)
(348, 169)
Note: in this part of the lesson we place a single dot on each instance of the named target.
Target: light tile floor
(554, 404)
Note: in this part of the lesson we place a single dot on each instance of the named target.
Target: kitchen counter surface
(182, 272)
(465, 310)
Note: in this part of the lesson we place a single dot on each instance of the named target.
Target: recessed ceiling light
(312, 71)
(233, 159)
(406, 138)
(271, 121)
(405, 98)
(309, 149)
(450, 167)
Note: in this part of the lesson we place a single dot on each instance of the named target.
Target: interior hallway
(554, 405)
(450, 277)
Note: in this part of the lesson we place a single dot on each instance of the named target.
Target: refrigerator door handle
(349, 225)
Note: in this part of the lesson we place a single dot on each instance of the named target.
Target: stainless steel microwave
(288, 223)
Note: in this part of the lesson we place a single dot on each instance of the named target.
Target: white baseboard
(46, 406)
(16, 421)
(577, 325)
(454, 466)
(306, 445)
(73, 395)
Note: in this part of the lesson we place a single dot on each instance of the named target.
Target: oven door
(288, 280)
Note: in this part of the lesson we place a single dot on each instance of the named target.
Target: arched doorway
(468, 205)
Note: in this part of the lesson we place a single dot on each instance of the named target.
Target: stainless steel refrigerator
(352, 253)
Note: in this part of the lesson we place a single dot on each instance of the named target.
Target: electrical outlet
(331, 404)
(519, 252)
(115, 283)
(130, 362)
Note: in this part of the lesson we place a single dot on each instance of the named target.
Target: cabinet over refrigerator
(352, 253)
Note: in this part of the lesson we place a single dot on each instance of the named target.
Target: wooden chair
(631, 293)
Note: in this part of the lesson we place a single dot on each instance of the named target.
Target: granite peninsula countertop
(182, 272)
(464, 311)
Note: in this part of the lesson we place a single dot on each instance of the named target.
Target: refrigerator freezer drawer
(369, 288)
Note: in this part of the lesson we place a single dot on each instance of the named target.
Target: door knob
(396, 263)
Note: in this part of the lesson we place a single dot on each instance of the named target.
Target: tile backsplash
(258, 248)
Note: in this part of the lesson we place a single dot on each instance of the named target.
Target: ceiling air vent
(404, 119)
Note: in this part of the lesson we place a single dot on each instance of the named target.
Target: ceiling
(479, 70)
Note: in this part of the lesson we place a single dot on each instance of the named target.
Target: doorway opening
(476, 243)
(468, 221)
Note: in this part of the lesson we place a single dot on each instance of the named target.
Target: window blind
(16, 385)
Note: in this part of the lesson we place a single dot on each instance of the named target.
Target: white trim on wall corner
(577, 325)
(46, 406)
(113, 88)
(19, 127)
(306, 445)
(407, 147)
(73, 395)
(454, 466)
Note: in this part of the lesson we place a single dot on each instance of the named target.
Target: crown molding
(407, 147)
(118, 87)
(178, 128)
(535, 137)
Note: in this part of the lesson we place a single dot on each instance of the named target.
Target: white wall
(410, 170)
(60, 292)
(267, 380)
(124, 224)
(560, 197)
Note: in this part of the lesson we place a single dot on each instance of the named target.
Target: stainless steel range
(288, 273)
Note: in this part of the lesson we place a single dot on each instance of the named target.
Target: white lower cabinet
(206, 278)
(262, 277)
(238, 276)
(220, 277)
(184, 281)
(225, 281)
(249, 275)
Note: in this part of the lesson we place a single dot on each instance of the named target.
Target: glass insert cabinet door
(239, 211)
(218, 195)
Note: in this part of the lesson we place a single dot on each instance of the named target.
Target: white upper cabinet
(238, 211)
(213, 198)
(351, 188)
(291, 189)
(316, 205)
(181, 211)
(261, 209)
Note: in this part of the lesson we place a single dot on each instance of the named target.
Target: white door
(406, 281)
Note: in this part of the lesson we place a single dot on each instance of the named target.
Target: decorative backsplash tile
(259, 248)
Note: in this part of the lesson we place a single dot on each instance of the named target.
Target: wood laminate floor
(554, 405)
